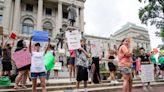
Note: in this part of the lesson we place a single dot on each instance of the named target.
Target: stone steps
(105, 85)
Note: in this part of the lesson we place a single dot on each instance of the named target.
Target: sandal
(17, 87)
(24, 87)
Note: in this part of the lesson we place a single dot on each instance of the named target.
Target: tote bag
(58, 66)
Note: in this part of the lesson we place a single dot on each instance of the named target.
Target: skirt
(111, 66)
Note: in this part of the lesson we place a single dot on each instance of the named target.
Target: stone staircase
(63, 85)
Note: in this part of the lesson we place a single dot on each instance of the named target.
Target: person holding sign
(145, 62)
(82, 65)
(125, 63)
(6, 58)
(23, 71)
(37, 66)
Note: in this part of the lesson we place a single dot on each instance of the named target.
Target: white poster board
(147, 73)
(95, 48)
(73, 39)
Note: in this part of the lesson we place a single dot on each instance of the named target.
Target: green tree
(153, 13)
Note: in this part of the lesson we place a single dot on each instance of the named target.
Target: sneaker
(113, 82)
(145, 89)
(116, 82)
(149, 87)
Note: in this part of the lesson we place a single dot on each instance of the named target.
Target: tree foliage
(153, 14)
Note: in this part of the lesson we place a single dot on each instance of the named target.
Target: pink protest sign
(21, 58)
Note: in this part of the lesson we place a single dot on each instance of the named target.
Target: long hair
(122, 43)
(20, 44)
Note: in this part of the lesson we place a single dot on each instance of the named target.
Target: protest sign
(40, 36)
(49, 61)
(58, 66)
(12, 36)
(95, 48)
(147, 73)
(21, 58)
(1, 30)
(73, 39)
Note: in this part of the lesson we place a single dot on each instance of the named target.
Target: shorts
(111, 66)
(161, 67)
(72, 61)
(36, 75)
(82, 73)
(125, 70)
(7, 66)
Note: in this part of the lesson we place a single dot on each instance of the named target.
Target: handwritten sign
(21, 58)
(147, 73)
(95, 48)
(40, 36)
(73, 39)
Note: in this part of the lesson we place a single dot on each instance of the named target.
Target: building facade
(139, 35)
(23, 16)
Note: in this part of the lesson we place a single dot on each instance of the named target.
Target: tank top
(144, 59)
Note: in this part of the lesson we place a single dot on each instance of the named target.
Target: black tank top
(144, 59)
(111, 57)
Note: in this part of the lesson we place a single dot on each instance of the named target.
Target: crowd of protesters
(123, 59)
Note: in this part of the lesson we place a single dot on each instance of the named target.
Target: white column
(77, 19)
(82, 19)
(60, 16)
(16, 20)
(40, 14)
(6, 16)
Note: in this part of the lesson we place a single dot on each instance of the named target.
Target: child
(37, 66)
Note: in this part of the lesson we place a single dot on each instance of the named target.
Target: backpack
(4, 80)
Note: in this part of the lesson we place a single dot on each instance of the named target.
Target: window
(1, 18)
(48, 11)
(47, 26)
(29, 7)
(27, 26)
(65, 15)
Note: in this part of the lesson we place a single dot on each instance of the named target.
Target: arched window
(47, 26)
(27, 26)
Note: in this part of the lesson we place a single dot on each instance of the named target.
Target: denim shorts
(36, 75)
(125, 70)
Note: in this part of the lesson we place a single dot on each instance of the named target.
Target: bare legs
(43, 84)
(22, 75)
(127, 84)
(72, 69)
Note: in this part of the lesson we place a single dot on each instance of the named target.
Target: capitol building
(24, 16)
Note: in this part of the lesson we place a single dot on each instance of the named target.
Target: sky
(104, 17)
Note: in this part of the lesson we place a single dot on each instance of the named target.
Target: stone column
(60, 16)
(6, 16)
(82, 19)
(16, 20)
(40, 14)
(77, 19)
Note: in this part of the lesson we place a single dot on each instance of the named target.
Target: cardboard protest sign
(49, 61)
(147, 73)
(1, 30)
(12, 36)
(95, 48)
(73, 39)
(21, 58)
(40, 36)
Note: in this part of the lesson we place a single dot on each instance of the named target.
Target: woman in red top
(125, 63)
